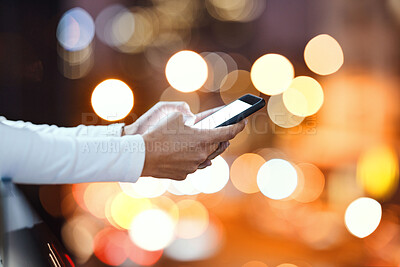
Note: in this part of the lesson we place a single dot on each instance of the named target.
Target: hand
(222, 146)
(173, 150)
(154, 115)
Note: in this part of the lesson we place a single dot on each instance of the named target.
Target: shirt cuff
(111, 130)
(135, 150)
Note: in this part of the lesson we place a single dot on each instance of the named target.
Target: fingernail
(245, 122)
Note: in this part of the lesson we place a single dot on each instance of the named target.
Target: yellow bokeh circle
(272, 74)
(124, 208)
(279, 114)
(323, 55)
(378, 171)
(304, 97)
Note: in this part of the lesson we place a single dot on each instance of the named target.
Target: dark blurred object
(26, 239)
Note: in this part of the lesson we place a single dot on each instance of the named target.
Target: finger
(221, 148)
(179, 106)
(206, 113)
(182, 107)
(223, 133)
(173, 121)
(205, 164)
(212, 147)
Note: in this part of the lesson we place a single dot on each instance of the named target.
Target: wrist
(129, 129)
(148, 157)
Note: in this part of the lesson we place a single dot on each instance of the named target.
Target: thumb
(224, 133)
(181, 106)
(188, 117)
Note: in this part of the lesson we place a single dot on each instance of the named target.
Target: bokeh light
(323, 55)
(269, 153)
(186, 71)
(378, 171)
(363, 216)
(193, 219)
(212, 179)
(104, 23)
(78, 192)
(75, 64)
(152, 230)
(272, 74)
(96, 196)
(277, 179)
(68, 205)
(75, 31)
(198, 248)
(112, 100)
(78, 235)
(311, 182)
(127, 30)
(167, 205)
(244, 172)
(287, 265)
(255, 264)
(239, 10)
(217, 70)
(304, 97)
(144, 24)
(191, 98)
(184, 187)
(279, 114)
(109, 213)
(236, 84)
(146, 187)
(122, 203)
(110, 246)
(394, 7)
(143, 257)
(123, 27)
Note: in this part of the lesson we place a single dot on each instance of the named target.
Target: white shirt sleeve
(81, 130)
(41, 157)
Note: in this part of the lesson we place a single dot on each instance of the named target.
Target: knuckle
(191, 169)
(199, 161)
(185, 105)
(181, 176)
(177, 115)
(202, 141)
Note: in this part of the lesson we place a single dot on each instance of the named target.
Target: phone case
(256, 102)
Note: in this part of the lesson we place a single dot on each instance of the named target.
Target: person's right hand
(173, 150)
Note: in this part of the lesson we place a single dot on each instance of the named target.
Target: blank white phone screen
(222, 115)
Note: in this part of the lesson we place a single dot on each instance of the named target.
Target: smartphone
(232, 113)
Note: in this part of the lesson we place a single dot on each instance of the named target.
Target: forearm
(29, 157)
(81, 130)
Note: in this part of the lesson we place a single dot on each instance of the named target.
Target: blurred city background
(311, 181)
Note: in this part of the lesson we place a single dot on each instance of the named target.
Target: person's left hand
(148, 120)
(160, 110)
(222, 146)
